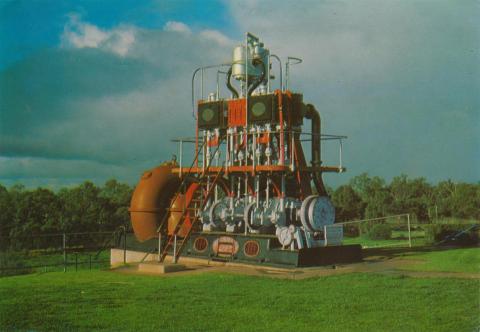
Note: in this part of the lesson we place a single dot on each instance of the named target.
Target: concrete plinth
(160, 268)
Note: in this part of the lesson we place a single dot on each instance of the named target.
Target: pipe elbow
(151, 199)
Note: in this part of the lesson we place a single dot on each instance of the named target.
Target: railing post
(175, 249)
(64, 253)
(159, 246)
(409, 232)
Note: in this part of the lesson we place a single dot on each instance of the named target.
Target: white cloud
(79, 34)
(216, 36)
(177, 27)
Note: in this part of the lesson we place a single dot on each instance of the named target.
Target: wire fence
(57, 252)
(390, 231)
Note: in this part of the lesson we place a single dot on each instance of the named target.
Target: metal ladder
(186, 219)
(200, 203)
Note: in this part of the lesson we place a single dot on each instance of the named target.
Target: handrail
(187, 177)
(164, 219)
(179, 224)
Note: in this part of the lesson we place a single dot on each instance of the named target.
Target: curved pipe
(280, 69)
(313, 115)
(229, 84)
(258, 81)
(150, 200)
(193, 81)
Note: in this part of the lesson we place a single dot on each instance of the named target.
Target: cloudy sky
(95, 89)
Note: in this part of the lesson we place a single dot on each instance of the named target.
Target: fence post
(90, 261)
(125, 245)
(64, 253)
(76, 262)
(409, 232)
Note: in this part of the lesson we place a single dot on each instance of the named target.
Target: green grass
(103, 300)
(453, 260)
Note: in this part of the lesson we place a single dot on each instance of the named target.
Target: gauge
(207, 114)
(258, 109)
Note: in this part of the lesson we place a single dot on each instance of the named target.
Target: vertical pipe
(218, 86)
(181, 157)
(292, 156)
(203, 153)
(341, 150)
(254, 146)
(246, 100)
(257, 189)
(267, 190)
(268, 71)
(282, 147)
(227, 152)
(202, 84)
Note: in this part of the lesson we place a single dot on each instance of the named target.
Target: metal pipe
(229, 84)
(314, 116)
(268, 73)
(341, 150)
(258, 81)
(246, 97)
(180, 159)
(193, 81)
(287, 69)
(201, 85)
(280, 69)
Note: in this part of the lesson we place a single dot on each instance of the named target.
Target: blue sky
(94, 89)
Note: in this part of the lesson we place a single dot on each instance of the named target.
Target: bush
(351, 230)
(459, 234)
(380, 232)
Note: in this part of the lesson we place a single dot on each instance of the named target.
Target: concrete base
(119, 257)
(159, 268)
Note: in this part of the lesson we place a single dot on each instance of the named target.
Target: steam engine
(249, 193)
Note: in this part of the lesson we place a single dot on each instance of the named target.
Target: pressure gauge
(285, 236)
(258, 109)
(207, 114)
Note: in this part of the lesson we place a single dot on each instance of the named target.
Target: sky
(93, 90)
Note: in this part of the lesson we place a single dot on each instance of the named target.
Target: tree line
(91, 208)
(83, 208)
(371, 197)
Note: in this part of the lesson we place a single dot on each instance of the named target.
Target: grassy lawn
(453, 260)
(103, 300)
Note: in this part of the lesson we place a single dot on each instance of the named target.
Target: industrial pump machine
(248, 194)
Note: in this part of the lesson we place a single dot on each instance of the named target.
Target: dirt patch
(376, 262)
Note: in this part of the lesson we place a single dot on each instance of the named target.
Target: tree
(348, 204)
(6, 215)
(118, 195)
(410, 196)
(373, 193)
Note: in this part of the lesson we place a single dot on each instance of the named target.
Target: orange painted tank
(175, 216)
(151, 199)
